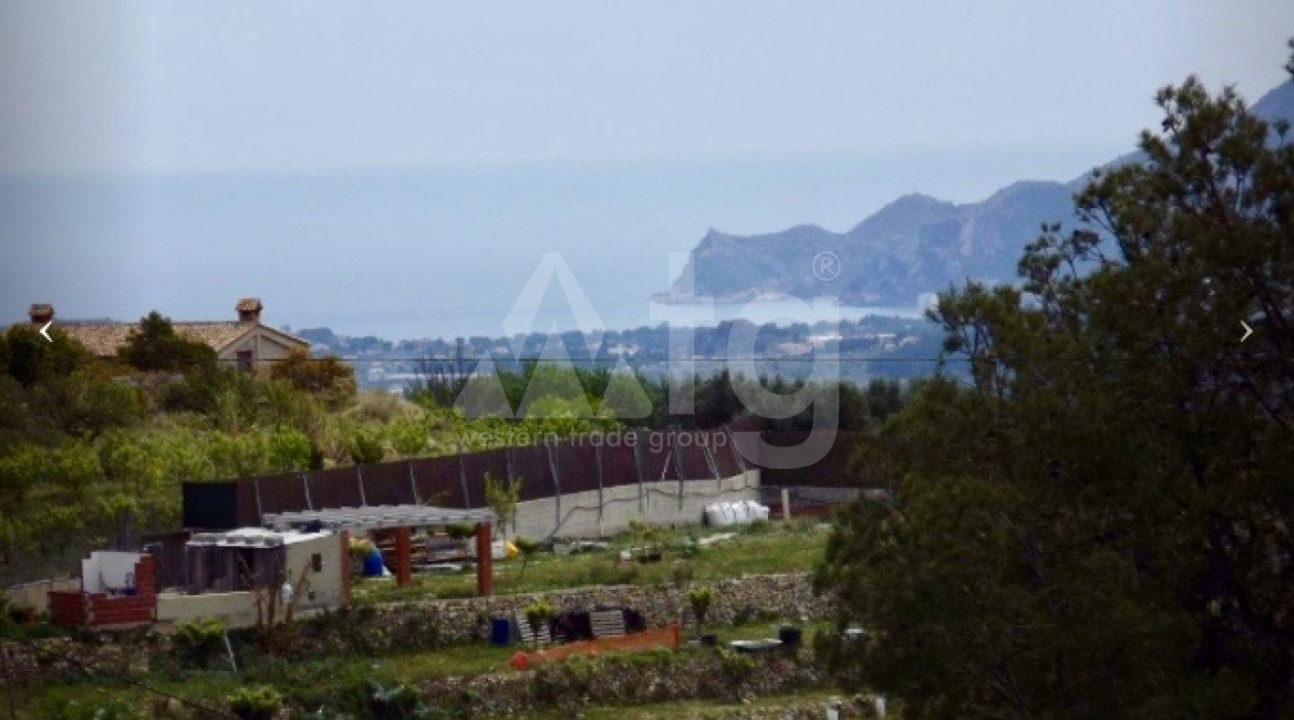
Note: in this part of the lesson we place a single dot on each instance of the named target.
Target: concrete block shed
(223, 570)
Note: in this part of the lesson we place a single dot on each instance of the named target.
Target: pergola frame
(401, 518)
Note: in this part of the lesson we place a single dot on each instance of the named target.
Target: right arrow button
(1248, 331)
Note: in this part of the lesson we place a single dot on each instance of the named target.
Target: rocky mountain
(915, 245)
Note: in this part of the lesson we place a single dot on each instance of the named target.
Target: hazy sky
(401, 168)
(199, 86)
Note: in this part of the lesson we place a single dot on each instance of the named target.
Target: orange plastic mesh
(662, 637)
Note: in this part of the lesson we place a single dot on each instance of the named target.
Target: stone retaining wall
(785, 596)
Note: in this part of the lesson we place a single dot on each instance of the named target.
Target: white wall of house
(238, 609)
(325, 584)
(107, 569)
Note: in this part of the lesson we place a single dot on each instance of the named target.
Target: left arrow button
(44, 331)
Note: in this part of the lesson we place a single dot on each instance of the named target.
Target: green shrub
(609, 573)
(365, 446)
(112, 710)
(527, 548)
(198, 642)
(503, 497)
(744, 615)
(802, 526)
(736, 666)
(686, 549)
(759, 527)
(255, 702)
(409, 436)
(460, 531)
(700, 600)
(537, 614)
(330, 683)
(401, 702)
(682, 572)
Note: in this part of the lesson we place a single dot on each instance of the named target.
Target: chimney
(40, 313)
(249, 310)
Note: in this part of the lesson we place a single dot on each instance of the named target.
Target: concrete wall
(325, 585)
(237, 609)
(590, 514)
(35, 596)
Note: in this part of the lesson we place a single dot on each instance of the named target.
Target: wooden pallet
(607, 623)
(528, 635)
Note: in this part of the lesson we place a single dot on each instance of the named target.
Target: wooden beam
(403, 561)
(484, 560)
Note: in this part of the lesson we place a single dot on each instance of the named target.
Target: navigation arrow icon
(46, 334)
(1248, 331)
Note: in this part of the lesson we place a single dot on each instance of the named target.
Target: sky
(180, 154)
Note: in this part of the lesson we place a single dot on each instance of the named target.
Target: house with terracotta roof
(245, 341)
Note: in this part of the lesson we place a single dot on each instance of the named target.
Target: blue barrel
(373, 563)
(500, 631)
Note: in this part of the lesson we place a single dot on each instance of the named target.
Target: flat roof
(374, 517)
(255, 537)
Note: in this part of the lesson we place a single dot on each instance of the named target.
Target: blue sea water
(486, 316)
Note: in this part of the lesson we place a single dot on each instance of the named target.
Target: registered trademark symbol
(826, 265)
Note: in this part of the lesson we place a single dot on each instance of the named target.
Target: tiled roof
(105, 338)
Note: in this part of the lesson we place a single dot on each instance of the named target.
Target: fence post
(638, 470)
(462, 481)
(786, 503)
(305, 484)
(557, 487)
(597, 454)
(678, 468)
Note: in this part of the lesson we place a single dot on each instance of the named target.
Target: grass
(760, 549)
(331, 675)
(692, 709)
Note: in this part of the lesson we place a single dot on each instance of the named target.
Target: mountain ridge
(914, 245)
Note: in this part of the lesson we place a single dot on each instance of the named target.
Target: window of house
(244, 358)
(316, 562)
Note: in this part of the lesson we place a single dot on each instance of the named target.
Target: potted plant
(357, 551)
(538, 614)
(648, 540)
(701, 598)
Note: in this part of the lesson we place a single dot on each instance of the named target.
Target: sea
(496, 316)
